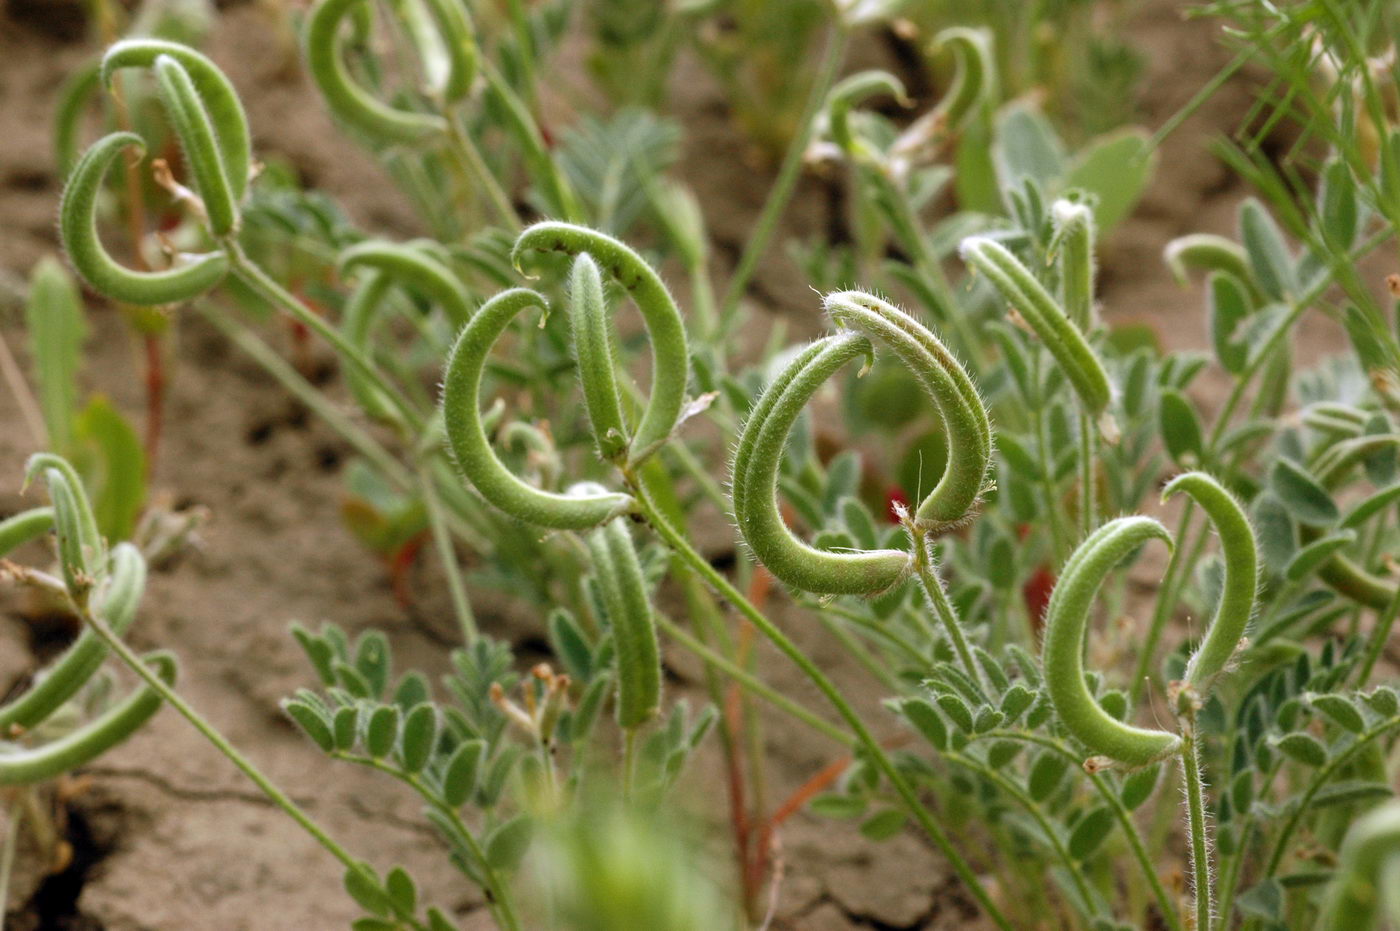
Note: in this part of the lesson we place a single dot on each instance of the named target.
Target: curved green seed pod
(965, 423)
(1241, 555)
(461, 411)
(25, 526)
(220, 101)
(1074, 239)
(459, 41)
(116, 604)
(1208, 253)
(350, 102)
(629, 613)
(1364, 891)
(73, 99)
(976, 73)
(588, 315)
(77, 226)
(414, 268)
(1059, 334)
(852, 90)
(670, 359)
(1066, 619)
(80, 548)
(755, 484)
(197, 140)
(20, 766)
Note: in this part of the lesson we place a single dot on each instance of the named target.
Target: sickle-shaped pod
(670, 359)
(964, 416)
(116, 603)
(77, 226)
(215, 93)
(593, 351)
(81, 551)
(1237, 597)
(25, 766)
(974, 84)
(624, 595)
(755, 483)
(850, 91)
(356, 106)
(197, 139)
(461, 411)
(1364, 891)
(1028, 296)
(1066, 620)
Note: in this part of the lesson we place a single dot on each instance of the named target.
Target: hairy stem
(1196, 825)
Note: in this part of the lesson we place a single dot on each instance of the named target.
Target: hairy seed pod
(852, 90)
(411, 265)
(975, 83)
(77, 226)
(1074, 239)
(351, 103)
(116, 603)
(1066, 621)
(1363, 892)
(1028, 296)
(220, 101)
(459, 41)
(80, 548)
(630, 617)
(461, 410)
(593, 350)
(1208, 253)
(196, 134)
(964, 416)
(23, 766)
(755, 483)
(669, 356)
(25, 526)
(73, 99)
(1241, 555)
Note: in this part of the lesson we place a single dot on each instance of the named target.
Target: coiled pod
(81, 552)
(1364, 893)
(1064, 340)
(630, 617)
(466, 436)
(1207, 252)
(217, 97)
(78, 229)
(1074, 241)
(850, 91)
(116, 603)
(755, 483)
(593, 350)
(964, 416)
(25, 766)
(974, 87)
(669, 356)
(196, 134)
(1066, 620)
(25, 526)
(355, 106)
(1241, 555)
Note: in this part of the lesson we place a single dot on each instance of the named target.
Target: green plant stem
(1058, 534)
(466, 151)
(1120, 811)
(1088, 494)
(251, 274)
(1196, 823)
(878, 670)
(786, 182)
(1380, 633)
(877, 753)
(1162, 611)
(1236, 863)
(221, 743)
(629, 762)
(499, 895)
(947, 614)
(447, 555)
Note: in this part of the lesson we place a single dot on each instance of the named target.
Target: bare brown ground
(175, 837)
